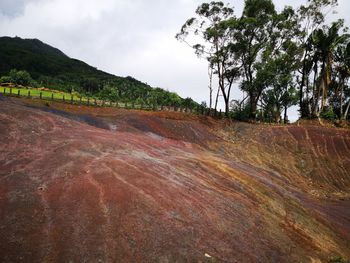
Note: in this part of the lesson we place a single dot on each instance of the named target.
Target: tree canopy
(278, 58)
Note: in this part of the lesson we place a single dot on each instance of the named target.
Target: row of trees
(277, 59)
(153, 96)
(128, 90)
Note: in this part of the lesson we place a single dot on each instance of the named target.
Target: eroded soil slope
(79, 184)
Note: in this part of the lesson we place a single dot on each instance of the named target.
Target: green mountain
(51, 68)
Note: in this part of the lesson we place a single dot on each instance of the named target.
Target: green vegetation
(279, 59)
(46, 94)
(338, 260)
(40, 65)
(76, 98)
(20, 77)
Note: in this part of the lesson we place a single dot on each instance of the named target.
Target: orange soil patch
(168, 187)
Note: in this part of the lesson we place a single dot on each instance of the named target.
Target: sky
(126, 38)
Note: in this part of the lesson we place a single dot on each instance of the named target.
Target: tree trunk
(345, 117)
(227, 107)
(227, 98)
(252, 110)
(323, 94)
(285, 115)
(277, 116)
(314, 91)
(222, 87)
(318, 109)
(217, 99)
(210, 74)
(326, 82)
(341, 97)
(262, 110)
(301, 94)
(307, 106)
(220, 69)
(321, 88)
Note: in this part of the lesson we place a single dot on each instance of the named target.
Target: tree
(280, 92)
(326, 40)
(250, 35)
(311, 17)
(324, 43)
(272, 53)
(109, 92)
(213, 41)
(342, 58)
(20, 77)
(91, 85)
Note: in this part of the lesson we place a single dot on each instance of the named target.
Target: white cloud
(122, 37)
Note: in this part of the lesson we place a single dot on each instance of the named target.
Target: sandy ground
(84, 184)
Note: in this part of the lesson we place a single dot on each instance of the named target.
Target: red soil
(168, 187)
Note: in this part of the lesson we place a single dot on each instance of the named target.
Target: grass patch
(64, 96)
(45, 94)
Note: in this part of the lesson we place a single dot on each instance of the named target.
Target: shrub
(20, 77)
(338, 260)
(328, 114)
(239, 112)
(5, 79)
(109, 92)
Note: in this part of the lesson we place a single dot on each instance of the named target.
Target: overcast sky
(123, 37)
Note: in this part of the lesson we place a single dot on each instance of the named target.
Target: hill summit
(51, 68)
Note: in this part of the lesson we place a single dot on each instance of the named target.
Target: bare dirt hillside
(81, 184)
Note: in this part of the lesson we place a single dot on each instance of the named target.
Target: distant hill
(40, 59)
(50, 67)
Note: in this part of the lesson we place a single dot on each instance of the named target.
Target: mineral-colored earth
(80, 184)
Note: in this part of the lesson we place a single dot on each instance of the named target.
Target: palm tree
(326, 41)
(342, 58)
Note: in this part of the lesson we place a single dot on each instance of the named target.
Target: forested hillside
(51, 68)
